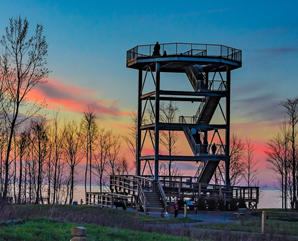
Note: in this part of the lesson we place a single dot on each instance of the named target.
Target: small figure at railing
(156, 51)
(213, 148)
(196, 135)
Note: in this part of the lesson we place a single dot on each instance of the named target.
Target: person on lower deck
(176, 208)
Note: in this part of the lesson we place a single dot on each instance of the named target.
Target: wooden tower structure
(208, 69)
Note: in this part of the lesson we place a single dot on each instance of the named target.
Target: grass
(279, 222)
(44, 229)
(84, 213)
(111, 224)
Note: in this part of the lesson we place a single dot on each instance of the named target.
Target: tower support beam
(228, 111)
(156, 149)
(139, 132)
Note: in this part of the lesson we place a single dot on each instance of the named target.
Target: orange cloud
(75, 99)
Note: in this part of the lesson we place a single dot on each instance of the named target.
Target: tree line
(39, 157)
(282, 155)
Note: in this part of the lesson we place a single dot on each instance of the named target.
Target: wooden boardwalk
(130, 189)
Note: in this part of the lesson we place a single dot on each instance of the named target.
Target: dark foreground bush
(212, 204)
(202, 204)
(222, 205)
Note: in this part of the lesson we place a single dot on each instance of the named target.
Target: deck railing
(168, 185)
(187, 49)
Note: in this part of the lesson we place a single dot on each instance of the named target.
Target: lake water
(269, 198)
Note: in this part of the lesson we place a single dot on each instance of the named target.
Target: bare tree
(278, 156)
(101, 155)
(40, 143)
(56, 140)
(291, 106)
(90, 129)
(72, 145)
(131, 138)
(237, 165)
(23, 143)
(169, 138)
(122, 167)
(236, 160)
(3, 142)
(250, 165)
(114, 146)
(22, 67)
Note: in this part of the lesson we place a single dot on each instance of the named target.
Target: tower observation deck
(207, 69)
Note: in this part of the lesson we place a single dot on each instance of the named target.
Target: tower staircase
(203, 116)
(154, 203)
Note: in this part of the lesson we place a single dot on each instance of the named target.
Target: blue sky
(88, 41)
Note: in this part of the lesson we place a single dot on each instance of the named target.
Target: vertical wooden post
(78, 234)
(185, 210)
(263, 221)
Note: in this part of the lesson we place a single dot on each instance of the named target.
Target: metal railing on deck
(187, 49)
(186, 185)
(189, 184)
(104, 199)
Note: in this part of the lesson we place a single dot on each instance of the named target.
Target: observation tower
(207, 69)
(205, 72)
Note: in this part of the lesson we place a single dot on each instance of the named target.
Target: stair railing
(162, 194)
(142, 200)
(193, 145)
(199, 110)
(221, 87)
(192, 78)
(146, 183)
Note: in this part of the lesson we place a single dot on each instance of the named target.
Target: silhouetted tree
(72, 146)
(101, 154)
(114, 146)
(291, 106)
(279, 157)
(22, 67)
(40, 145)
(23, 143)
(131, 138)
(250, 165)
(237, 166)
(169, 138)
(90, 129)
(56, 140)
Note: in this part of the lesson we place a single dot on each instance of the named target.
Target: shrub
(221, 205)
(234, 205)
(181, 204)
(211, 204)
(241, 203)
(201, 204)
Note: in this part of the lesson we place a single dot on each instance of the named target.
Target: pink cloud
(73, 99)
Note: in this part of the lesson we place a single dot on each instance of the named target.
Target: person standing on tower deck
(213, 148)
(156, 51)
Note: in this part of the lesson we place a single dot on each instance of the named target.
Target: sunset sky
(88, 41)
